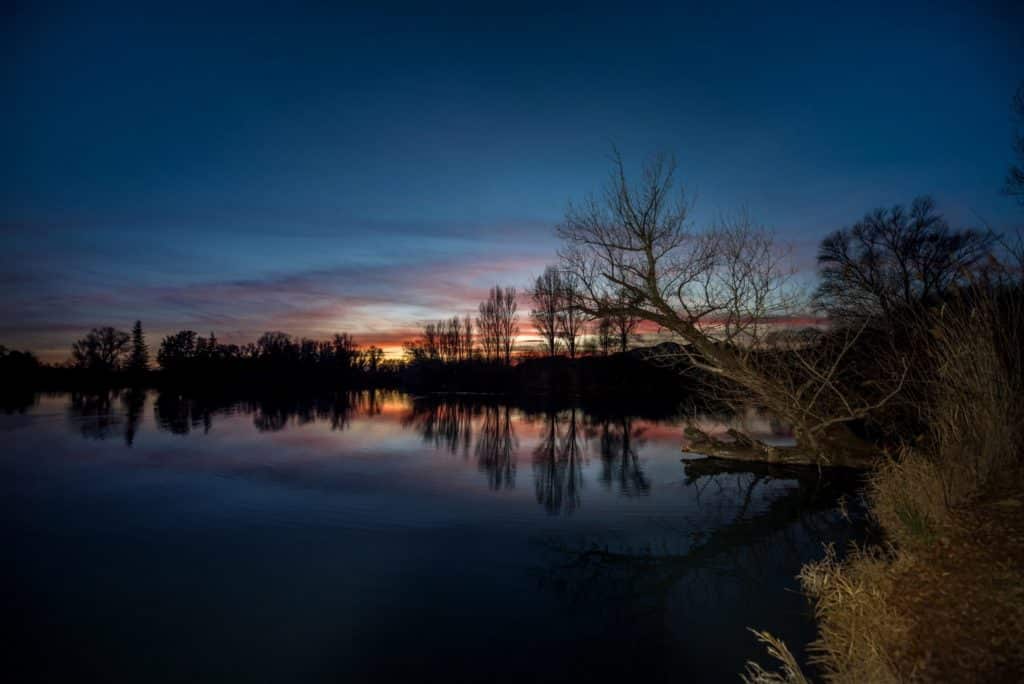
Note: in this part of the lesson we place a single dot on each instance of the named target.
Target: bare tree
(892, 261)
(498, 324)
(720, 291)
(344, 351)
(547, 295)
(571, 318)
(467, 337)
(101, 349)
(605, 335)
(449, 340)
(623, 323)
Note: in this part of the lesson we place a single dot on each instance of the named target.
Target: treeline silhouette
(881, 280)
(462, 353)
(108, 356)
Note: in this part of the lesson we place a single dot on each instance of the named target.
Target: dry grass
(856, 626)
(944, 600)
(951, 610)
(789, 673)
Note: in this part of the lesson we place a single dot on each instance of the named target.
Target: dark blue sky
(315, 170)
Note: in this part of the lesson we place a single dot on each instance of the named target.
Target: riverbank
(944, 603)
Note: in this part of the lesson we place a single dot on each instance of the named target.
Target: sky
(315, 169)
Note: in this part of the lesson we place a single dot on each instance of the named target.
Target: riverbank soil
(961, 598)
(944, 605)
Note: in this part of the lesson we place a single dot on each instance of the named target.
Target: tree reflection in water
(723, 559)
(91, 413)
(620, 465)
(447, 424)
(558, 463)
(182, 414)
(450, 424)
(132, 402)
(496, 447)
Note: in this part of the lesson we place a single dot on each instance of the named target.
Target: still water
(377, 536)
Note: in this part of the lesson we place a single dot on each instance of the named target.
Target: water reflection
(496, 447)
(560, 444)
(730, 558)
(620, 440)
(92, 414)
(406, 529)
(557, 463)
(444, 424)
(132, 401)
(182, 414)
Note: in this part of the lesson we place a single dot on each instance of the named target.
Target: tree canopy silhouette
(138, 361)
(102, 349)
(894, 260)
(498, 324)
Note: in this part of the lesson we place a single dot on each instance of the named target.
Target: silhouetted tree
(498, 324)
(624, 323)
(372, 357)
(449, 340)
(344, 348)
(720, 291)
(177, 350)
(1015, 176)
(276, 347)
(138, 361)
(547, 299)
(102, 349)
(571, 317)
(605, 335)
(894, 260)
(17, 364)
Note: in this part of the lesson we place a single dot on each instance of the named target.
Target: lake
(376, 536)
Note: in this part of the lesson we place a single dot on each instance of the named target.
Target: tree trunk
(838, 448)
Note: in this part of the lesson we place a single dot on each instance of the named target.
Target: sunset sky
(313, 171)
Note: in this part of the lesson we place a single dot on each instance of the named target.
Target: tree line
(557, 317)
(106, 350)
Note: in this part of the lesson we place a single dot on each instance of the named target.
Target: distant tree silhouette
(276, 347)
(17, 367)
(1015, 176)
(177, 350)
(894, 260)
(605, 334)
(102, 349)
(449, 340)
(138, 360)
(624, 323)
(571, 318)
(467, 337)
(547, 299)
(345, 351)
(498, 324)
(372, 358)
